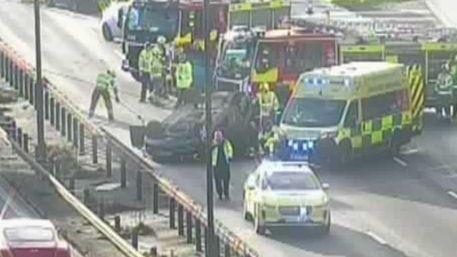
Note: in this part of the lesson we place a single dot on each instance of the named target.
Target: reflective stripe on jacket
(228, 150)
(268, 103)
(105, 82)
(184, 75)
(157, 61)
(145, 59)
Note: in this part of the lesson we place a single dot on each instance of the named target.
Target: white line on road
(118, 53)
(400, 161)
(376, 237)
(410, 151)
(452, 193)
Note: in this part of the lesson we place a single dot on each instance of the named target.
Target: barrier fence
(86, 138)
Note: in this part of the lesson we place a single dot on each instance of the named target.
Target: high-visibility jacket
(269, 103)
(444, 81)
(144, 60)
(184, 75)
(228, 150)
(105, 82)
(157, 61)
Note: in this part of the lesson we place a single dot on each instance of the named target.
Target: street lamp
(210, 246)
(41, 148)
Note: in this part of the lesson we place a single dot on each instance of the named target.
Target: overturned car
(182, 134)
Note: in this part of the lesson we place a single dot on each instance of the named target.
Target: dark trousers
(146, 85)
(106, 97)
(182, 96)
(222, 181)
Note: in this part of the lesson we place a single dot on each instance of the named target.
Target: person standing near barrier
(222, 154)
(144, 64)
(104, 84)
(184, 79)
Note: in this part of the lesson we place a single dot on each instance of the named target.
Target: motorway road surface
(381, 206)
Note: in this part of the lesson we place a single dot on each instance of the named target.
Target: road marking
(452, 193)
(376, 237)
(400, 161)
(410, 151)
(119, 54)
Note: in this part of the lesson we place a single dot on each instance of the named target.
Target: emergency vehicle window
(261, 17)
(266, 58)
(292, 59)
(239, 18)
(436, 62)
(312, 56)
(352, 115)
(382, 105)
(281, 17)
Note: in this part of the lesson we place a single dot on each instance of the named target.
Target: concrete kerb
(169, 188)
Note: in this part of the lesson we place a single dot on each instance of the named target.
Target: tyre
(258, 226)
(107, 35)
(325, 229)
(395, 143)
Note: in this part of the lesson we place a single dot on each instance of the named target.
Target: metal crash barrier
(87, 138)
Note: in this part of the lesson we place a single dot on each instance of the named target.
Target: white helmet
(161, 40)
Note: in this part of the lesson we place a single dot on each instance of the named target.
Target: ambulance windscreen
(313, 112)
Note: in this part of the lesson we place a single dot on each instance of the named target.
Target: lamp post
(41, 148)
(210, 248)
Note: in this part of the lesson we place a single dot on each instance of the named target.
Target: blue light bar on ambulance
(322, 82)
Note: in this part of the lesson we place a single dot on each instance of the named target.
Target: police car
(284, 195)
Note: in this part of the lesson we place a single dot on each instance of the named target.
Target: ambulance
(353, 109)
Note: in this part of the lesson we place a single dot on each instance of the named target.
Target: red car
(31, 238)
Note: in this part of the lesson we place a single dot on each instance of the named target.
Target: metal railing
(85, 137)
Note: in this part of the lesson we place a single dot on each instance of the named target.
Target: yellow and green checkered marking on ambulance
(379, 131)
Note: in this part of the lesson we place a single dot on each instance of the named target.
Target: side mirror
(325, 186)
(250, 186)
(120, 17)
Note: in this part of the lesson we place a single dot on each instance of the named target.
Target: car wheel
(258, 226)
(325, 229)
(246, 214)
(107, 35)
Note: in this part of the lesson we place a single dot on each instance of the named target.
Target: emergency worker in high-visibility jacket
(158, 66)
(144, 65)
(222, 155)
(269, 105)
(184, 79)
(105, 83)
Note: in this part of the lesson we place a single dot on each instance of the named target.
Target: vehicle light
(295, 146)
(310, 144)
(290, 143)
(305, 146)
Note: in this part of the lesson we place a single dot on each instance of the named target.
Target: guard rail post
(123, 172)
(180, 220)
(117, 223)
(135, 239)
(218, 245)
(32, 91)
(198, 236)
(57, 113)
(8, 63)
(139, 185)
(109, 158)
(12, 131)
(26, 86)
(94, 149)
(188, 227)
(226, 250)
(25, 142)
(172, 213)
(155, 198)
(101, 209)
(82, 149)
(21, 82)
(19, 136)
(13, 75)
(86, 196)
(2, 65)
(75, 133)
(63, 119)
(71, 185)
(10, 73)
(52, 113)
(46, 104)
(69, 126)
